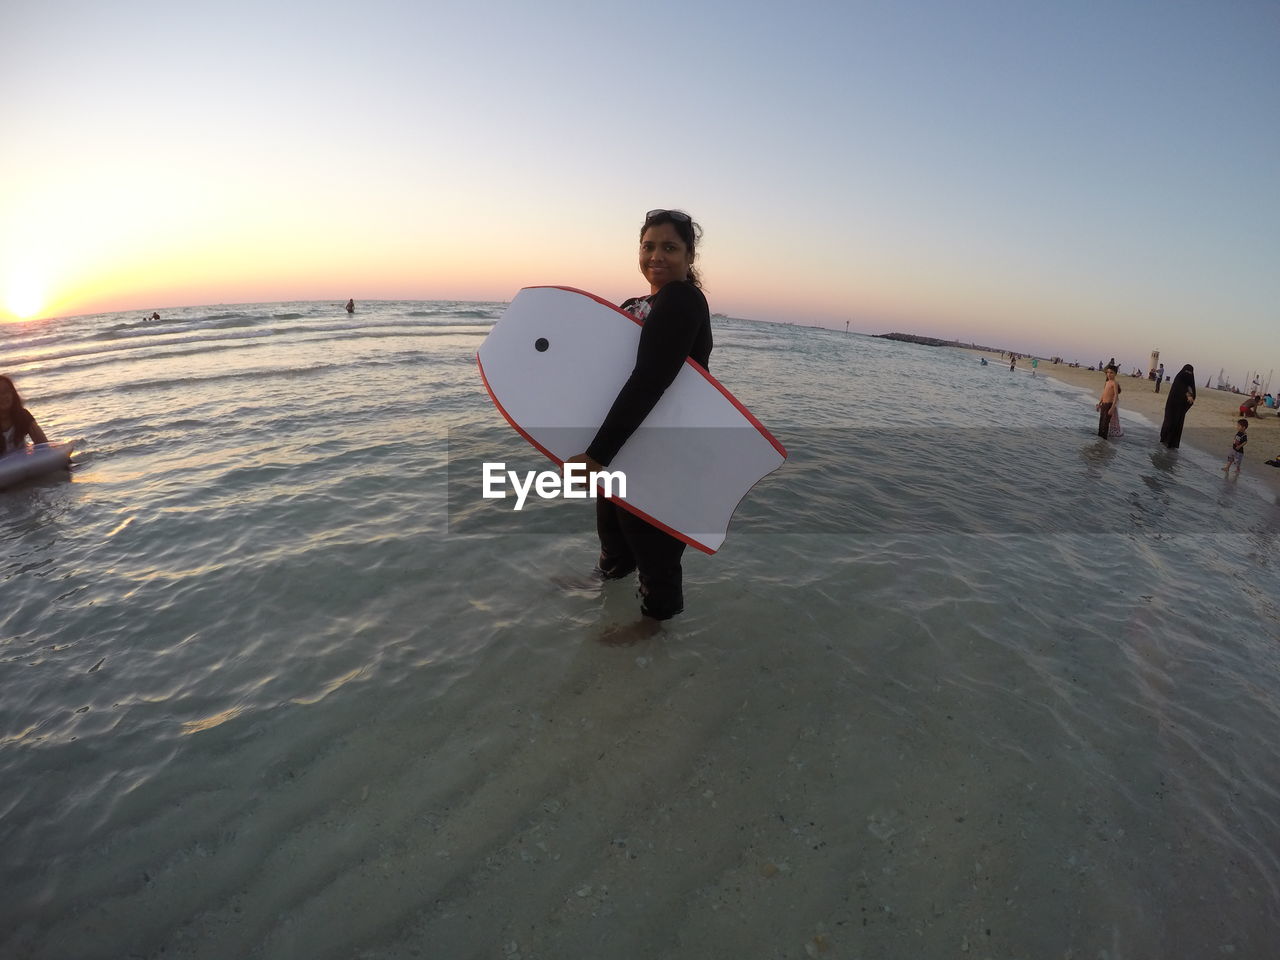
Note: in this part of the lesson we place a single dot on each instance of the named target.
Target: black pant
(1104, 420)
(628, 543)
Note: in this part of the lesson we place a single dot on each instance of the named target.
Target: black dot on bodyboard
(541, 344)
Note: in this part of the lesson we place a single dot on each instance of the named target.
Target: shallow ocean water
(275, 682)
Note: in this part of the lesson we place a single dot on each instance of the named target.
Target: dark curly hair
(17, 415)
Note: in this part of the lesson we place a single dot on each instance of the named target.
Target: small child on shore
(1236, 455)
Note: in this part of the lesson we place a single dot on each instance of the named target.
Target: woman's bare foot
(629, 634)
(577, 583)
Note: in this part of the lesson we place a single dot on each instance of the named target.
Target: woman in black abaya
(1182, 394)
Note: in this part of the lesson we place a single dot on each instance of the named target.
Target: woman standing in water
(677, 326)
(1114, 430)
(1182, 394)
(16, 422)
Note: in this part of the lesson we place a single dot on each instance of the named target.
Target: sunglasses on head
(673, 214)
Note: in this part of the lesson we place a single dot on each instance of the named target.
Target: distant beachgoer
(1106, 403)
(1236, 455)
(1159, 376)
(1035, 362)
(155, 316)
(1250, 407)
(351, 306)
(1182, 394)
(16, 421)
(1013, 361)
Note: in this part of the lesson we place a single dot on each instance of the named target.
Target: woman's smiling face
(664, 257)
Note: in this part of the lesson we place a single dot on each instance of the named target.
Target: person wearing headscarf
(1182, 394)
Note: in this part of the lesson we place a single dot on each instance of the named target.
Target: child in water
(1236, 455)
(16, 422)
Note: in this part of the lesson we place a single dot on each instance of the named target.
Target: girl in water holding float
(16, 421)
(677, 326)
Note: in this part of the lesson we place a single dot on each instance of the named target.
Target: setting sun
(24, 297)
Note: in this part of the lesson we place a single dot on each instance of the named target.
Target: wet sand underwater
(801, 778)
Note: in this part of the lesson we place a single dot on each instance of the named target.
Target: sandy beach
(1211, 423)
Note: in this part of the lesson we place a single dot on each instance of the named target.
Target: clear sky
(1085, 179)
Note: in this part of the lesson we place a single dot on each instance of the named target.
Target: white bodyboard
(19, 465)
(553, 365)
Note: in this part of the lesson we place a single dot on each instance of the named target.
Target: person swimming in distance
(351, 305)
(677, 326)
(16, 421)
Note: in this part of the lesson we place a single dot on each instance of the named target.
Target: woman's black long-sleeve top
(678, 327)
